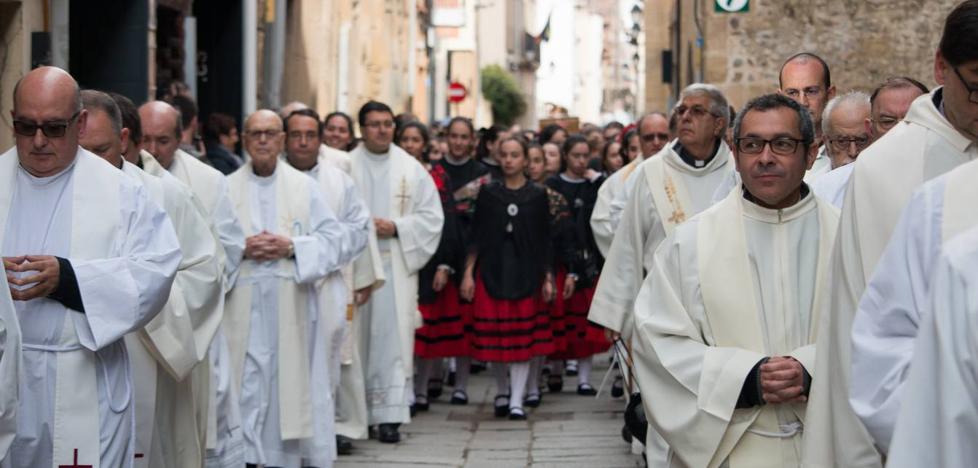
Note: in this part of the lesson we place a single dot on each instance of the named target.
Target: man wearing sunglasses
(89, 259)
(939, 133)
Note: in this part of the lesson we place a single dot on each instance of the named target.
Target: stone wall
(863, 41)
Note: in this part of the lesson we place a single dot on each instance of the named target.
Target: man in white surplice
(165, 352)
(89, 259)
(888, 103)
(805, 78)
(939, 423)
(278, 350)
(724, 323)
(929, 142)
(160, 130)
(303, 131)
(653, 135)
(408, 220)
(10, 367)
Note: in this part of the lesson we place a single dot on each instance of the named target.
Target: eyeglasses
(51, 129)
(783, 146)
(842, 143)
(972, 92)
(809, 92)
(384, 123)
(695, 111)
(258, 134)
(652, 137)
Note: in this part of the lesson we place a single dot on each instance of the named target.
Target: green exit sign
(731, 6)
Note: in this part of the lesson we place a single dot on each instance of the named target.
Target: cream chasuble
(76, 401)
(267, 322)
(165, 352)
(11, 363)
(223, 432)
(734, 285)
(939, 424)
(605, 217)
(666, 192)
(335, 158)
(821, 166)
(883, 179)
(832, 185)
(396, 187)
(894, 304)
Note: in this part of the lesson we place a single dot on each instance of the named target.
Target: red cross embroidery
(75, 464)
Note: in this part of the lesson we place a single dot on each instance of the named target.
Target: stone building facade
(863, 41)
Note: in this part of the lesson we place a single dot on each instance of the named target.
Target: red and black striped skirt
(584, 338)
(509, 330)
(443, 333)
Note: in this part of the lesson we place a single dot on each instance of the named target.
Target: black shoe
(617, 388)
(517, 414)
(500, 405)
(571, 369)
(555, 383)
(450, 381)
(420, 404)
(532, 400)
(434, 388)
(476, 367)
(344, 445)
(387, 433)
(586, 389)
(459, 397)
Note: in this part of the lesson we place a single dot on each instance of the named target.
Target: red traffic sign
(457, 92)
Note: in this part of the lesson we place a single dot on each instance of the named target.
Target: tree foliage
(503, 93)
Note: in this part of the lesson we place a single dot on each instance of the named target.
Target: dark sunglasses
(52, 129)
(650, 137)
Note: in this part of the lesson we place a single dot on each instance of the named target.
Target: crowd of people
(784, 284)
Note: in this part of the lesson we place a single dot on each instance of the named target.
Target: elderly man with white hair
(844, 136)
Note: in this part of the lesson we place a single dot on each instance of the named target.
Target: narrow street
(566, 431)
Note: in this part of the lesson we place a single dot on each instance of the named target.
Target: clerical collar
(754, 201)
(450, 160)
(690, 160)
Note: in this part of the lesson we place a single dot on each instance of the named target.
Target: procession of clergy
(780, 301)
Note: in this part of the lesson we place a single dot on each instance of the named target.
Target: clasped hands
(782, 381)
(266, 246)
(43, 283)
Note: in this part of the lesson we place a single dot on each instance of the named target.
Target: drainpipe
(249, 39)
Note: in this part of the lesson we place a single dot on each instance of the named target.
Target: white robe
(395, 187)
(335, 158)
(821, 166)
(831, 186)
(644, 224)
(175, 343)
(10, 367)
(278, 350)
(76, 392)
(895, 301)
(883, 179)
(732, 286)
(225, 446)
(939, 425)
(606, 214)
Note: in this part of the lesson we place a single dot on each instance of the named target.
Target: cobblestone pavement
(566, 431)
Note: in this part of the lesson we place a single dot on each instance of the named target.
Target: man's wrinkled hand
(782, 381)
(44, 279)
(362, 295)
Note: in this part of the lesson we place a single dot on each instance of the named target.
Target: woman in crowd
(630, 147)
(536, 168)
(509, 275)
(413, 138)
(338, 131)
(579, 185)
(611, 158)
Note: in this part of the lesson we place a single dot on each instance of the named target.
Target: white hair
(852, 98)
(718, 102)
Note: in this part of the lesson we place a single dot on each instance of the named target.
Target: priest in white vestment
(929, 143)
(160, 129)
(304, 152)
(278, 350)
(806, 78)
(894, 304)
(844, 136)
(90, 259)
(726, 320)
(938, 424)
(10, 368)
(653, 135)
(408, 218)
